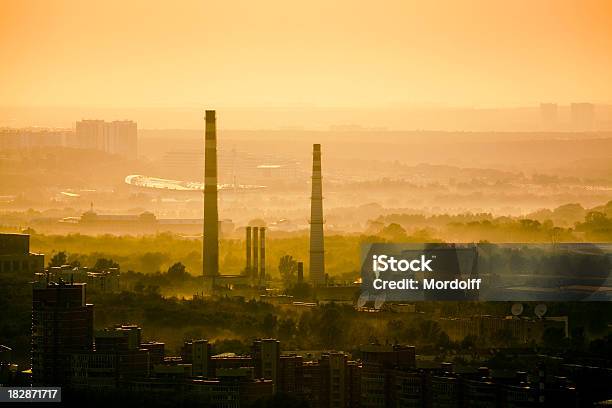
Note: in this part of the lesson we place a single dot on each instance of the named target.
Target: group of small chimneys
(256, 254)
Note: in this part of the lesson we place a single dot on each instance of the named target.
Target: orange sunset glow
(278, 53)
(306, 204)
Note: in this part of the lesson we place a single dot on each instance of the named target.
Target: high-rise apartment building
(583, 116)
(62, 324)
(201, 358)
(15, 255)
(548, 115)
(117, 137)
(266, 358)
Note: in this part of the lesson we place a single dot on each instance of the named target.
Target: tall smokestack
(211, 215)
(247, 270)
(317, 249)
(262, 255)
(255, 268)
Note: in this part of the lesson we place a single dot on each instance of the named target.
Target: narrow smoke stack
(262, 255)
(255, 268)
(300, 272)
(317, 249)
(211, 215)
(247, 269)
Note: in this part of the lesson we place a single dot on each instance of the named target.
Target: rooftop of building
(61, 283)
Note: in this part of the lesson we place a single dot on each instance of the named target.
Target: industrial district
(67, 351)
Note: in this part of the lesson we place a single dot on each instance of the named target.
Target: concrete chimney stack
(247, 270)
(255, 268)
(211, 215)
(317, 248)
(262, 255)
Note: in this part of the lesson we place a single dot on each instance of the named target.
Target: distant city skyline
(445, 118)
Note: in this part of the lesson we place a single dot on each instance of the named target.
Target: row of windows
(14, 266)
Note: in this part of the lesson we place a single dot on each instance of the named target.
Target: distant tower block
(262, 255)
(548, 115)
(317, 249)
(583, 116)
(255, 268)
(211, 215)
(247, 270)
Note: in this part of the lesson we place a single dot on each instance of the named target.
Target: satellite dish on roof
(540, 310)
(517, 309)
(379, 301)
(363, 299)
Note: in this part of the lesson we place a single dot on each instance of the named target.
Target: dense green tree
(58, 259)
(596, 226)
(393, 233)
(430, 331)
(177, 271)
(331, 326)
(287, 267)
(269, 324)
(104, 263)
(286, 329)
(152, 261)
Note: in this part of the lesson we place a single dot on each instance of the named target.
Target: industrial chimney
(317, 250)
(262, 255)
(247, 270)
(255, 268)
(211, 216)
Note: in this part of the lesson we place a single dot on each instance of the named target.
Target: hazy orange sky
(320, 52)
